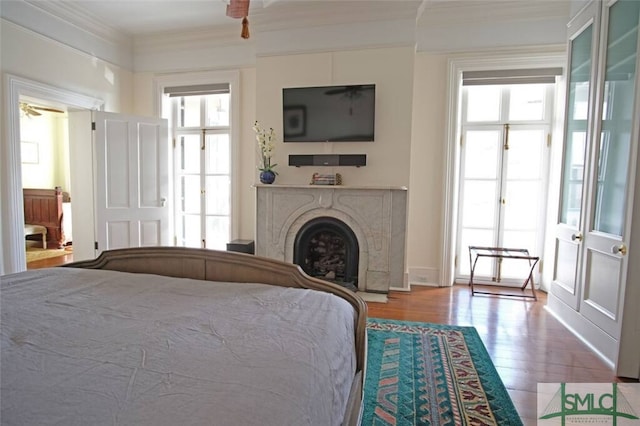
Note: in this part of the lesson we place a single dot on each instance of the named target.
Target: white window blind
(515, 76)
(197, 90)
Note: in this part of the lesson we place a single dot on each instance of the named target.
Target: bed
(167, 336)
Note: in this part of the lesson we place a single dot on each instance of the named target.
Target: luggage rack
(500, 253)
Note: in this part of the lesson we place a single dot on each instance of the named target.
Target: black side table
(242, 246)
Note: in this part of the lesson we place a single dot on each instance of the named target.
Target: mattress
(96, 347)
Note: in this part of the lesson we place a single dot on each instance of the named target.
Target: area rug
(431, 374)
(34, 253)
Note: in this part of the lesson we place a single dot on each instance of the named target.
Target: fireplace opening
(327, 248)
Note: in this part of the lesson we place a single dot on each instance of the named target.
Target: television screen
(329, 114)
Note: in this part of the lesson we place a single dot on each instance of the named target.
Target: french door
(581, 72)
(202, 155)
(503, 182)
(602, 135)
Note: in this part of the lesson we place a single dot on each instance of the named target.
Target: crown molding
(442, 13)
(193, 39)
(285, 15)
(31, 17)
(355, 36)
(75, 16)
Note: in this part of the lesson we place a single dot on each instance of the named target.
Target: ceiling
(145, 17)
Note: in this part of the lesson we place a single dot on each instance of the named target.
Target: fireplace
(370, 223)
(327, 248)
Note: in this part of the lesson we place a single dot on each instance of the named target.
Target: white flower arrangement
(266, 144)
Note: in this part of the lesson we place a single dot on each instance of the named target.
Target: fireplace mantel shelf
(398, 188)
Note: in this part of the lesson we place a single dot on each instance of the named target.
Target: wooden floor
(526, 343)
(51, 262)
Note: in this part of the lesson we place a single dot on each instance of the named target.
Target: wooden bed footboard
(44, 207)
(212, 265)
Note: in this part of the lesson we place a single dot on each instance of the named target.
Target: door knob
(163, 201)
(621, 249)
(576, 237)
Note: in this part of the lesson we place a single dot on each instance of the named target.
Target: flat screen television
(329, 113)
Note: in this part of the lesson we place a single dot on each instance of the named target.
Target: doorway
(44, 145)
(18, 88)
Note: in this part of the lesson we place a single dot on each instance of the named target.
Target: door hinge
(455, 261)
(174, 143)
(461, 140)
(175, 241)
(95, 245)
(540, 266)
(548, 139)
(93, 125)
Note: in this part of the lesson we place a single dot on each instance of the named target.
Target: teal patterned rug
(431, 374)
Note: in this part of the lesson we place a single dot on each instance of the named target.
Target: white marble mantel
(376, 215)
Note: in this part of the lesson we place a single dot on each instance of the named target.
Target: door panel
(602, 290)
(566, 266)
(118, 234)
(132, 181)
(610, 187)
(150, 233)
(579, 116)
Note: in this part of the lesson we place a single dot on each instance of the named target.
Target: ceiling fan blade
(47, 109)
(28, 110)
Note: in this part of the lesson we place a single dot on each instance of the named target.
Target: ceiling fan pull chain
(245, 28)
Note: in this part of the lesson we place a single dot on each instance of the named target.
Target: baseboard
(424, 276)
(425, 285)
(605, 346)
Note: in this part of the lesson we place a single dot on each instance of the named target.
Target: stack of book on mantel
(326, 179)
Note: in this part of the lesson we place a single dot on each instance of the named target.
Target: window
(202, 165)
(503, 174)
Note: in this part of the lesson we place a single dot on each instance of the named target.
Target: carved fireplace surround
(376, 215)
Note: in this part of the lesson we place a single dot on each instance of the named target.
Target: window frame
(163, 109)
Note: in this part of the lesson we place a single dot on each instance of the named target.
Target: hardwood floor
(526, 343)
(51, 262)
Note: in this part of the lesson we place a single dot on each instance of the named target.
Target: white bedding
(94, 347)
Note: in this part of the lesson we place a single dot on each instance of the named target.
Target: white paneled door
(132, 181)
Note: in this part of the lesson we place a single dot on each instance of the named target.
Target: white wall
(390, 69)
(29, 55)
(426, 188)
(46, 134)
